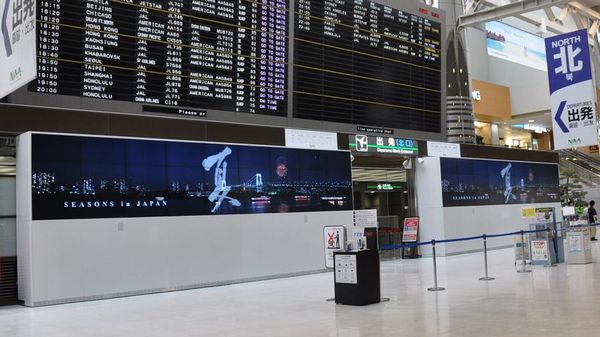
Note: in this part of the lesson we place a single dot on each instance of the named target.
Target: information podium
(579, 247)
(356, 277)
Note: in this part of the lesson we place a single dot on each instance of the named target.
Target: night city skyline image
(94, 177)
(470, 182)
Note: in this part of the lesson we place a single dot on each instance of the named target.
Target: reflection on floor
(562, 301)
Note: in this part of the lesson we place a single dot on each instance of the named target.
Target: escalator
(586, 166)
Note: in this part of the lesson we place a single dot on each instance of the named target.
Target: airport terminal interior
(299, 168)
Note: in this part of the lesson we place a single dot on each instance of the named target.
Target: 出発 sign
(383, 145)
(572, 92)
(17, 44)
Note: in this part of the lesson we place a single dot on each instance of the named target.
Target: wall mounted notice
(568, 211)
(544, 214)
(345, 269)
(335, 241)
(411, 229)
(305, 139)
(77, 177)
(527, 212)
(365, 218)
(17, 44)
(440, 149)
(572, 90)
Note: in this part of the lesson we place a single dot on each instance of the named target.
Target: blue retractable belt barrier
(416, 244)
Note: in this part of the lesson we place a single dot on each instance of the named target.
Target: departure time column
(49, 36)
(303, 15)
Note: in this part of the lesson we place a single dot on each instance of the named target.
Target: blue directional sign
(572, 91)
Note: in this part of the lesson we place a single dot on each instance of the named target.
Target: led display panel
(469, 182)
(94, 177)
(361, 62)
(515, 45)
(207, 54)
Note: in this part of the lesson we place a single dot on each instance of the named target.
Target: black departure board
(226, 55)
(360, 62)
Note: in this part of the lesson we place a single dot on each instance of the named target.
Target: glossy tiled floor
(562, 301)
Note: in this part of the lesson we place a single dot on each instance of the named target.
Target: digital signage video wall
(515, 45)
(93, 177)
(468, 182)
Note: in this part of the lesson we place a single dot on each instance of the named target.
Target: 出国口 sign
(384, 145)
(572, 91)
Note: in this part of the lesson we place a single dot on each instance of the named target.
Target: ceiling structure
(543, 18)
(547, 16)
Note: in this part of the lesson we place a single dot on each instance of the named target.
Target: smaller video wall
(515, 45)
(77, 177)
(470, 182)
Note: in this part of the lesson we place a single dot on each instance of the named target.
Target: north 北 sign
(383, 145)
(572, 90)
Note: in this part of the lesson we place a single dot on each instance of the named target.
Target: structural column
(459, 110)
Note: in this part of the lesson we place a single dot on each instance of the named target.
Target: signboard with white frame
(17, 47)
(441, 149)
(572, 90)
(306, 139)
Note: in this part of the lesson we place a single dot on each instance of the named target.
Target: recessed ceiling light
(531, 121)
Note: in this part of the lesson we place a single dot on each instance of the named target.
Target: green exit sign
(383, 145)
(383, 187)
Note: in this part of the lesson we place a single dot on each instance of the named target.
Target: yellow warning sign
(528, 212)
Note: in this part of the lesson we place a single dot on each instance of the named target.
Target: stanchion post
(435, 280)
(485, 260)
(549, 264)
(523, 257)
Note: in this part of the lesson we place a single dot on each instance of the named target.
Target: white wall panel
(528, 86)
(23, 205)
(91, 258)
(430, 207)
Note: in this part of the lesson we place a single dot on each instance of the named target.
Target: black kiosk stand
(356, 277)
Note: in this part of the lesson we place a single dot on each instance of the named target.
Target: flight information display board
(360, 62)
(209, 54)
